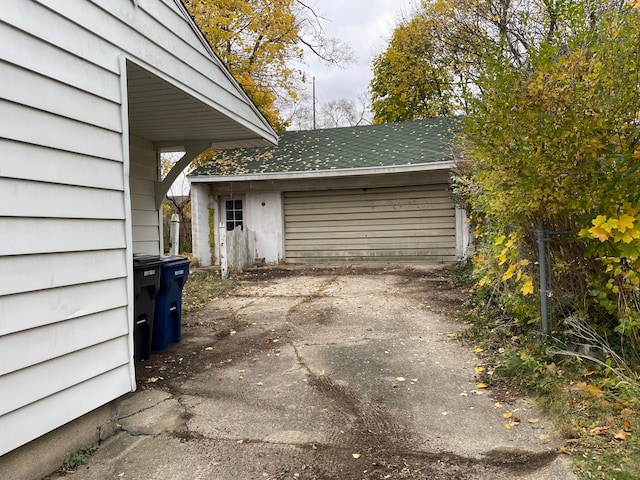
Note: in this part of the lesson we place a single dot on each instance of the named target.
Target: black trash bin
(168, 312)
(146, 280)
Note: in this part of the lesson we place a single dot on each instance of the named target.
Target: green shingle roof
(384, 145)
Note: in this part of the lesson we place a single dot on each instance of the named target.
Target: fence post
(174, 235)
(542, 262)
(224, 253)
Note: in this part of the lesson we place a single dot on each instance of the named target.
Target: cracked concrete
(335, 375)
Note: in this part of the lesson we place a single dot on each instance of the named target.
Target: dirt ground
(326, 373)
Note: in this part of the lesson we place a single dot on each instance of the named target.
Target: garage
(369, 193)
(391, 224)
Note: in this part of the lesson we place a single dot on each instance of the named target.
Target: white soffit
(169, 117)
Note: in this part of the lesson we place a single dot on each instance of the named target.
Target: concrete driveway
(325, 374)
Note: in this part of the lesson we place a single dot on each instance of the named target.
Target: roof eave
(343, 172)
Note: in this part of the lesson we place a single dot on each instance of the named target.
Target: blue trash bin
(167, 327)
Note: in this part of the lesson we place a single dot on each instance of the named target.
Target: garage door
(403, 224)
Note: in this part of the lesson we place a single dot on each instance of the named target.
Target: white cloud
(365, 25)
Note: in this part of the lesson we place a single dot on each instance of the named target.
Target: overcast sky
(366, 25)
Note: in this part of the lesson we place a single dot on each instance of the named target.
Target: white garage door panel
(377, 223)
(334, 216)
(430, 255)
(401, 224)
(408, 235)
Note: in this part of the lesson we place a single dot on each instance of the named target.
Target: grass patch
(204, 286)
(592, 397)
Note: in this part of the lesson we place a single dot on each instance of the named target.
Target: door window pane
(234, 214)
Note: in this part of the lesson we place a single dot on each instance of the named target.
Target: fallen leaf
(544, 438)
(533, 420)
(621, 434)
(240, 442)
(478, 350)
(626, 411)
(594, 389)
(321, 374)
(414, 380)
(259, 384)
(599, 430)
(479, 369)
(481, 385)
(213, 462)
(232, 333)
(209, 349)
(355, 455)
(152, 379)
(507, 415)
(400, 379)
(464, 394)
(507, 426)
(497, 405)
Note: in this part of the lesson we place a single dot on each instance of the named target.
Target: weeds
(202, 287)
(590, 392)
(81, 457)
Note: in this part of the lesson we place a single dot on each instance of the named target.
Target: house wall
(64, 254)
(143, 177)
(66, 237)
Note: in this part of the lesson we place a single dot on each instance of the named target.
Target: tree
(260, 41)
(408, 81)
(332, 114)
(557, 140)
(436, 54)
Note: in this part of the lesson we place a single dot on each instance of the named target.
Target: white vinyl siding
(69, 179)
(63, 249)
(144, 214)
(399, 224)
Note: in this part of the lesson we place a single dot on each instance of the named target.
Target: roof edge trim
(343, 172)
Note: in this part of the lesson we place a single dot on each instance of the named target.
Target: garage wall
(398, 224)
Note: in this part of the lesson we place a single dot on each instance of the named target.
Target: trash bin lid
(174, 259)
(144, 260)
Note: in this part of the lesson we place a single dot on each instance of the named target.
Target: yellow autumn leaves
(620, 228)
(621, 254)
(515, 271)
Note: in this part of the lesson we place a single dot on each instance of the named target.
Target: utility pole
(314, 102)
